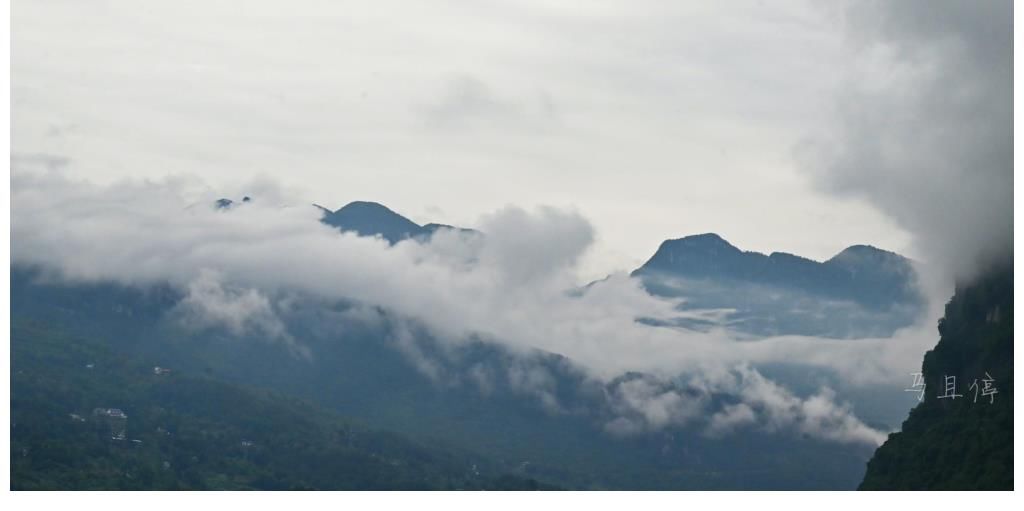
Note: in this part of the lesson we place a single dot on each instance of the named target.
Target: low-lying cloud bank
(512, 286)
(645, 404)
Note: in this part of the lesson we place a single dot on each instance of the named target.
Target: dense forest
(85, 417)
(960, 437)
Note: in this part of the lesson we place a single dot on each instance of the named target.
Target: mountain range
(362, 370)
(862, 291)
(864, 274)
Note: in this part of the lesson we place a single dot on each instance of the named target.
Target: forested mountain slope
(87, 418)
(963, 442)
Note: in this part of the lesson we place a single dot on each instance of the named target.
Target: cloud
(646, 404)
(513, 286)
(510, 285)
(730, 418)
(818, 415)
(407, 343)
(535, 380)
(208, 303)
(526, 247)
(924, 124)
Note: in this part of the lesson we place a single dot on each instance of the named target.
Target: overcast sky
(654, 121)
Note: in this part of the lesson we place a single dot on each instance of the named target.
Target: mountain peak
(707, 251)
(857, 255)
(371, 219)
(705, 238)
(860, 249)
(366, 206)
(705, 241)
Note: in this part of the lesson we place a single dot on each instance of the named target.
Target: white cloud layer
(512, 285)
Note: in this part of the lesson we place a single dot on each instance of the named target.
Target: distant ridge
(862, 273)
